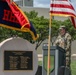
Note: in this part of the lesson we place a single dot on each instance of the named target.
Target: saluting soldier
(64, 41)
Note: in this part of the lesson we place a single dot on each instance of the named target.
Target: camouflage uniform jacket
(63, 41)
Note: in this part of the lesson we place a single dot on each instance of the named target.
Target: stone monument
(18, 57)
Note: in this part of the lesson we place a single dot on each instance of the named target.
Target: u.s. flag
(63, 8)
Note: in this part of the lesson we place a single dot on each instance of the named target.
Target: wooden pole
(49, 44)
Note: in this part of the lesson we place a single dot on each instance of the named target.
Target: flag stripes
(73, 20)
(63, 8)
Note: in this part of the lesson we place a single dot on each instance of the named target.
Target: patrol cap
(62, 27)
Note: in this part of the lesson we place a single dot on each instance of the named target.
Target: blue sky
(46, 3)
(74, 3)
(42, 3)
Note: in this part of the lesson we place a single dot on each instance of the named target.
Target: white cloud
(42, 3)
(46, 3)
(15, 0)
(74, 3)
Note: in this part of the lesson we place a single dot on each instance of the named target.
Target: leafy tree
(69, 27)
(41, 25)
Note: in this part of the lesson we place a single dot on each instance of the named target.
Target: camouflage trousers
(68, 59)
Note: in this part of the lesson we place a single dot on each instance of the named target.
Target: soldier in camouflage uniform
(64, 41)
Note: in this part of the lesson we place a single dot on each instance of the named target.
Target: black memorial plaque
(18, 60)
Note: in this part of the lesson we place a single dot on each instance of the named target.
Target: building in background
(27, 5)
(24, 3)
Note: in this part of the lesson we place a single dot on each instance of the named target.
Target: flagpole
(49, 44)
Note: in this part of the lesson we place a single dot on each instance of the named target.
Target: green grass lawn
(73, 67)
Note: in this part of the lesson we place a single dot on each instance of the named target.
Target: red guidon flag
(63, 8)
(11, 16)
(21, 17)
